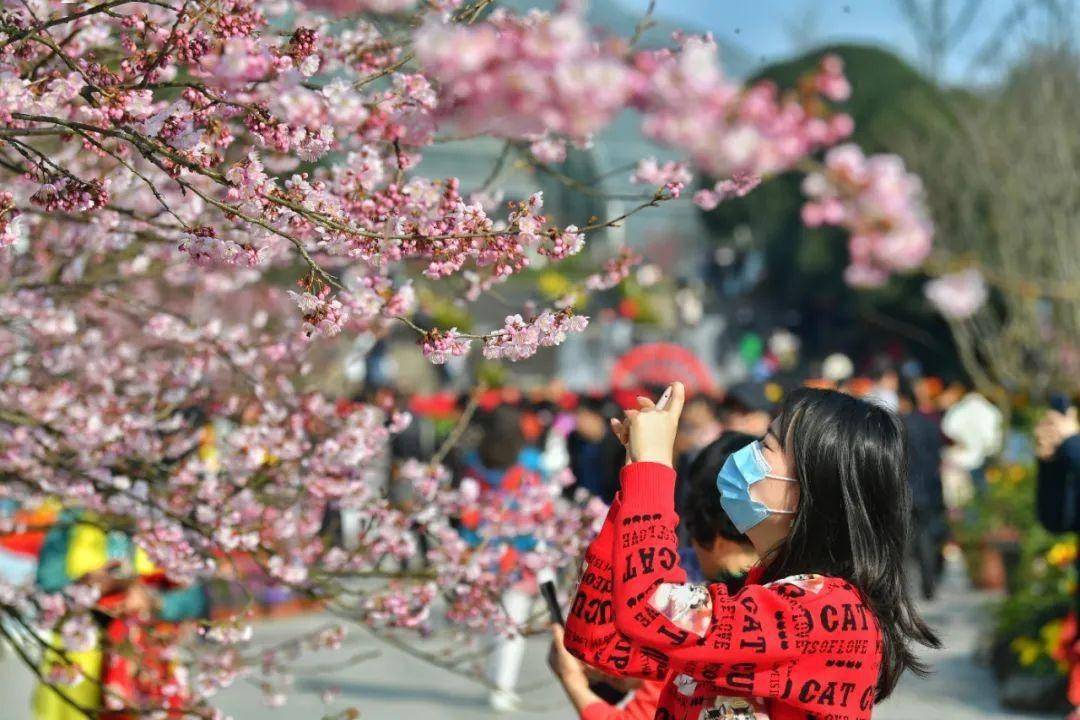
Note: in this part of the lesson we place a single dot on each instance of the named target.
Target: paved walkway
(395, 686)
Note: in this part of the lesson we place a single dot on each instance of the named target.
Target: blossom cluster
(738, 185)
(439, 346)
(523, 76)
(879, 203)
(518, 339)
(671, 176)
(724, 128)
(11, 226)
(614, 271)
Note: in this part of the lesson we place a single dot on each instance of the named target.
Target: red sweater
(642, 705)
(794, 649)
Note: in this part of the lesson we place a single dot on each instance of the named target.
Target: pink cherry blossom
(689, 104)
(439, 346)
(879, 203)
(615, 271)
(672, 176)
(518, 339)
(11, 226)
(322, 313)
(518, 77)
(958, 295)
(348, 7)
(548, 149)
(738, 185)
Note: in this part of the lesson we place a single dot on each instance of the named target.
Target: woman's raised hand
(650, 431)
(621, 428)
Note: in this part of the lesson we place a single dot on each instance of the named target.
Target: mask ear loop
(785, 479)
(765, 463)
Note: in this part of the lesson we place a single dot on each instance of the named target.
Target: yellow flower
(1027, 649)
(553, 284)
(1051, 635)
(993, 474)
(773, 392)
(1062, 554)
(208, 451)
(1016, 473)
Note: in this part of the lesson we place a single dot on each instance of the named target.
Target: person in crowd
(824, 624)
(555, 456)
(504, 467)
(595, 455)
(924, 447)
(886, 388)
(698, 426)
(976, 428)
(1057, 446)
(128, 667)
(747, 408)
(418, 440)
(926, 390)
(722, 553)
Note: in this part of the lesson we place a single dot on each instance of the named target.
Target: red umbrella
(661, 364)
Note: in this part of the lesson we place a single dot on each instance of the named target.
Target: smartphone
(547, 589)
(664, 400)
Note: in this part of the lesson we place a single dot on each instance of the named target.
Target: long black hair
(853, 519)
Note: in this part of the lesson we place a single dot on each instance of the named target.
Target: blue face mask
(743, 468)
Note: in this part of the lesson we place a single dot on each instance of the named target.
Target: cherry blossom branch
(496, 168)
(460, 427)
(92, 10)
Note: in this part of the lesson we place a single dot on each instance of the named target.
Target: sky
(773, 29)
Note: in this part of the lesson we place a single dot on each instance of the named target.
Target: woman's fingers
(621, 430)
(645, 403)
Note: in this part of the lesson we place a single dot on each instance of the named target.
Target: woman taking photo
(823, 627)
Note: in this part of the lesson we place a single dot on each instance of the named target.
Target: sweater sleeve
(642, 705)
(590, 633)
(695, 626)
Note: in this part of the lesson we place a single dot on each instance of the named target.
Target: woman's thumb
(678, 397)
